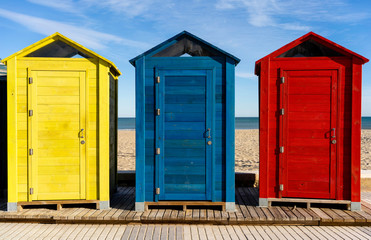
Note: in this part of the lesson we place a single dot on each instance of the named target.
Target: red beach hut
(310, 123)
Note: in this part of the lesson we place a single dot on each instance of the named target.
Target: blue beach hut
(185, 124)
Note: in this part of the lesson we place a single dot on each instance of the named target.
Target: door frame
(32, 126)
(209, 73)
(337, 73)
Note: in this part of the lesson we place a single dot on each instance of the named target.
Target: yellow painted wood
(57, 145)
(32, 138)
(12, 130)
(78, 85)
(55, 37)
(103, 132)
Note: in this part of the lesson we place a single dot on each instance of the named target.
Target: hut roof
(185, 43)
(57, 45)
(311, 45)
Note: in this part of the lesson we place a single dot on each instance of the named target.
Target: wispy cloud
(90, 38)
(64, 6)
(247, 75)
(292, 14)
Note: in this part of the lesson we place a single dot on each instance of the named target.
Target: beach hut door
(56, 135)
(308, 133)
(184, 134)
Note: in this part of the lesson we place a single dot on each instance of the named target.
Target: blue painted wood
(230, 131)
(183, 124)
(140, 131)
(179, 148)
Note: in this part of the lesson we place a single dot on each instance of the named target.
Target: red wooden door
(308, 133)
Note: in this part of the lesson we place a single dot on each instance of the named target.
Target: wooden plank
(224, 232)
(289, 213)
(167, 214)
(319, 233)
(335, 217)
(83, 231)
(172, 232)
(164, 232)
(110, 231)
(134, 232)
(344, 214)
(261, 232)
(67, 233)
(303, 233)
(354, 233)
(126, 234)
(179, 232)
(149, 232)
(322, 215)
(283, 231)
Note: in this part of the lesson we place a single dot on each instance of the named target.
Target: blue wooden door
(184, 134)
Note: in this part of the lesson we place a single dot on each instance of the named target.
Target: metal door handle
(208, 131)
(81, 133)
(334, 130)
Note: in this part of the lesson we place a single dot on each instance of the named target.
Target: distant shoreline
(240, 123)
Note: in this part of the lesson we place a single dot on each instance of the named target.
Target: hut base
(58, 205)
(308, 202)
(185, 205)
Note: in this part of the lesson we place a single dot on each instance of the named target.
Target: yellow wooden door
(57, 135)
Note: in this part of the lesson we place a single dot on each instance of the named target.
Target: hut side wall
(113, 134)
(220, 118)
(90, 66)
(270, 136)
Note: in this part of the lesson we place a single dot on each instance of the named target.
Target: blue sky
(249, 29)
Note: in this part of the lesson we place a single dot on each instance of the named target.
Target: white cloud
(64, 5)
(287, 14)
(246, 75)
(89, 38)
(131, 8)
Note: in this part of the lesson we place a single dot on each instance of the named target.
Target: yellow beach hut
(62, 125)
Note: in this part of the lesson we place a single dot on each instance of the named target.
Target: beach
(246, 154)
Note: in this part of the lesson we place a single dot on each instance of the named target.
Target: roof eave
(133, 60)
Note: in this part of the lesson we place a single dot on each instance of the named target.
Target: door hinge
(282, 149)
(282, 79)
(158, 79)
(158, 112)
(282, 111)
(31, 191)
(281, 187)
(157, 191)
(31, 151)
(30, 80)
(158, 151)
(30, 113)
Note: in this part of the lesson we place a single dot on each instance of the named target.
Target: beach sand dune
(247, 150)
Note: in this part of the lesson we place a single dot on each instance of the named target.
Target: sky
(120, 30)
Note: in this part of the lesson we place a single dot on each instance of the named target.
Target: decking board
(122, 212)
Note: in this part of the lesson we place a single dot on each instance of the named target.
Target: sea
(240, 123)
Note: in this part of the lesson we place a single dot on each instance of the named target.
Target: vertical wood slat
(140, 130)
(230, 130)
(103, 133)
(264, 91)
(356, 131)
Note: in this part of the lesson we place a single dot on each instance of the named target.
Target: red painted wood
(356, 131)
(315, 167)
(264, 128)
(296, 174)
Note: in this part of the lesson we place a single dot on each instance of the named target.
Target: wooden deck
(122, 212)
(17, 231)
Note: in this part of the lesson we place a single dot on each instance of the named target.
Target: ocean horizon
(240, 123)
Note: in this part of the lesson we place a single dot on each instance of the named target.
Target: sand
(247, 150)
